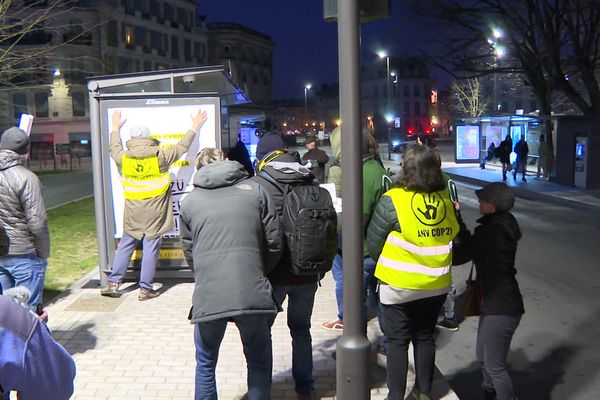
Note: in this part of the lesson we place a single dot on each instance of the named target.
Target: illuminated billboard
(467, 143)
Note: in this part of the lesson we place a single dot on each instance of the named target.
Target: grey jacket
(22, 211)
(231, 238)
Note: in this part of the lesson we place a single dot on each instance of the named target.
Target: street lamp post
(498, 52)
(383, 54)
(306, 89)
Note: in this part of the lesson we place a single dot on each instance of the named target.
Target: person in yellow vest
(410, 235)
(148, 212)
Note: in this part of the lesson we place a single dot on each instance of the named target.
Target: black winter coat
(493, 248)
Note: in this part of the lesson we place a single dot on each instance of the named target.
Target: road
(555, 350)
(66, 187)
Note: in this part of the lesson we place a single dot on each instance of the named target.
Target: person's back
(240, 154)
(231, 240)
(221, 218)
(31, 362)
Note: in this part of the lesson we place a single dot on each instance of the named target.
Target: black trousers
(411, 322)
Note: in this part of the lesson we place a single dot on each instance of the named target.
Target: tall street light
(498, 51)
(383, 54)
(306, 89)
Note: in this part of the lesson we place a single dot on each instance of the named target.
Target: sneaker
(147, 294)
(336, 325)
(447, 325)
(111, 290)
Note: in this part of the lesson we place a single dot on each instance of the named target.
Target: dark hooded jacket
(231, 239)
(274, 177)
(493, 248)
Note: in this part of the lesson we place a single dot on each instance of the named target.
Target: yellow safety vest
(419, 257)
(142, 178)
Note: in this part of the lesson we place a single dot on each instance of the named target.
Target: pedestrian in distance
(504, 150)
(493, 248)
(543, 158)
(32, 363)
(22, 218)
(231, 240)
(522, 150)
(410, 235)
(288, 182)
(148, 210)
(317, 158)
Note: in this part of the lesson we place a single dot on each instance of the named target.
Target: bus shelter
(475, 135)
(164, 101)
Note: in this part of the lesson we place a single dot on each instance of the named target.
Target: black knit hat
(15, 139)
(498, 194)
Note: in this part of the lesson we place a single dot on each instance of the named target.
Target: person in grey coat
(23, 219)
(231, 239)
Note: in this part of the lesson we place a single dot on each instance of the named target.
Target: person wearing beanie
(148, 210)
(269, 141)
(23, 219)
(493, 249)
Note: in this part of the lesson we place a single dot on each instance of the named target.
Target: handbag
(469, 304)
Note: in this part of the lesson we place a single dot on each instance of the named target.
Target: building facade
(410, 86)
(82, 39)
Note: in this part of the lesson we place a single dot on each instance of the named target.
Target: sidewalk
(533, 189)
(127, 349)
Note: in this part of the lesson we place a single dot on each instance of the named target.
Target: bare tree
(469, 99)
(34, 32)
(549, 43)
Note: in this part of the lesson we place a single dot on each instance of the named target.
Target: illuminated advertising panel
(467, 143)
(168, 120)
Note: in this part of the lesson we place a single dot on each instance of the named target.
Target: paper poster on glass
(467, 143)
(168, 121)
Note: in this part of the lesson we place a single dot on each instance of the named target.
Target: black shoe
(447, 325)
(524, 180)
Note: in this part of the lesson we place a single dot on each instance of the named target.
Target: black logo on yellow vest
(428, 208)
(139, 168)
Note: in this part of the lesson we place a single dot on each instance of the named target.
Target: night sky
(305, 45)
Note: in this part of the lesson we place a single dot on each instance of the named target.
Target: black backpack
(309, 223)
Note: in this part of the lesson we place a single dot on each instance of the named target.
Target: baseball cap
(498, 194)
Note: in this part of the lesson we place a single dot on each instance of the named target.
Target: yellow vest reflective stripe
(419, 257)
(142, 178)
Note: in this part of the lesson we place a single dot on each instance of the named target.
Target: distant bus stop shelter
(164, 101)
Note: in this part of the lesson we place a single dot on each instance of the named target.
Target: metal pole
(354, 346)
(97, 171)
(305, 97)
(389, 108)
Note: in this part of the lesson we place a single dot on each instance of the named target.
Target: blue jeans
(301, 299)
(337, 270)
(256, 340)
(150, 253)
(371, 295)
(27, 270)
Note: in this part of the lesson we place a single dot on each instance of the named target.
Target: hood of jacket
(220, 174)
(141, 147)
(9, 159)
(288, 169)
(505, 220)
